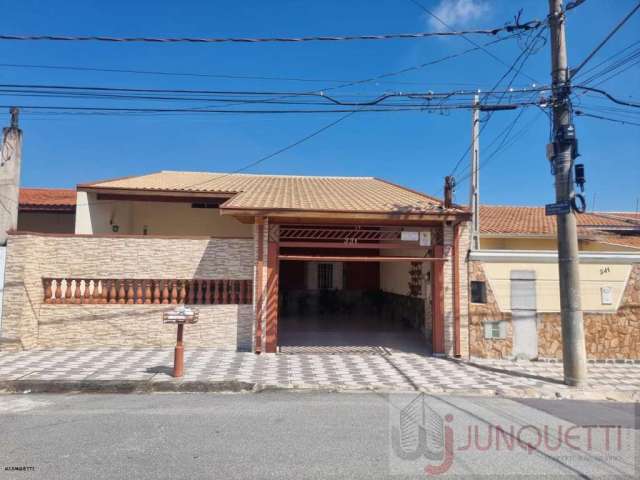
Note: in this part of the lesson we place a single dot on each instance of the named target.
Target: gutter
(551, 256)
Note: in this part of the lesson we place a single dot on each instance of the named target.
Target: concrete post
(10, 158)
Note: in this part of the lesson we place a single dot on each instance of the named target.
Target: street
(301, 435)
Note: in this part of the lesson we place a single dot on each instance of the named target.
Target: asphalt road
(311, 435)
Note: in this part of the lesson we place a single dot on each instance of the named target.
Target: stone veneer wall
(607, 335)
(30, 257)
(479, 313)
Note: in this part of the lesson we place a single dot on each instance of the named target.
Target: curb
(121, 386)
(233, 386)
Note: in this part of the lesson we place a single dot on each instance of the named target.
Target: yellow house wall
(593, 277)
(95, 216)
(394, 276)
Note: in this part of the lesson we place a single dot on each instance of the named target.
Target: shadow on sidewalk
(507, 372)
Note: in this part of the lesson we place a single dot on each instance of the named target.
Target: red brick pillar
(437, 301)
(273, 263)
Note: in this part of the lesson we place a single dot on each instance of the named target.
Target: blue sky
(416, 149)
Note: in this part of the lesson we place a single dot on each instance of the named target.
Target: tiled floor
(396, 371)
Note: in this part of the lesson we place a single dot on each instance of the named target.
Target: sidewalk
(147, 369)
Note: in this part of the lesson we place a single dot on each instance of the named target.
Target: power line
(468, 40)
(530, 25)
(608, 95)
(277, 152)
(576, 70)
(600, 117)
(522, 58)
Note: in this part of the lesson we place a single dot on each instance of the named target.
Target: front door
(523, 314)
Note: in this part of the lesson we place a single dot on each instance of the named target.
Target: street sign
(559, 208)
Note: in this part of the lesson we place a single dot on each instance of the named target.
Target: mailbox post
(180, 317)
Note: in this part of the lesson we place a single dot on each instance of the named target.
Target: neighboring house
(47, 210)
(270, 261)
(515, 301)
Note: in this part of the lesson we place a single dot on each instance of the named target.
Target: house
(514, 308)
(47, 210)
(295, 263)
(271, 262)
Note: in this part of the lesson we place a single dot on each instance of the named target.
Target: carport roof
(248, 192)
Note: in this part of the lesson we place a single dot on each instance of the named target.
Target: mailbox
(179, 316)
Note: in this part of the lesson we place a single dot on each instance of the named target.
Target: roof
(285, 192)
(47, 199)
(533, 221)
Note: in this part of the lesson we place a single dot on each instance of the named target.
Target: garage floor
(341, 333)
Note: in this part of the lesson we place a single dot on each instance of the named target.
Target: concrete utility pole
(574, 354)
(474, 191)
(10, 158)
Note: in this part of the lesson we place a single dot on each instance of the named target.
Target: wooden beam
(136, 197)
(368, 246)
(330, 258)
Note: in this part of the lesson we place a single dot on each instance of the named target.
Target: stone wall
(479, 313)
(608, 335)
(31, 257)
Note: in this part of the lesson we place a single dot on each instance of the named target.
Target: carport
(358, 288)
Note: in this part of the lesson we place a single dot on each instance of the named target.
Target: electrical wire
(530, 25)
(522, 58)
(600, 117)
(468, 40)
(624, 20)
(608, 95)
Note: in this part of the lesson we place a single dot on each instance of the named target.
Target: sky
(413, 148)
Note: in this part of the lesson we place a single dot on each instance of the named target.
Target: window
(325, 276)
(495, 330)
(204, 205)
(478, 292)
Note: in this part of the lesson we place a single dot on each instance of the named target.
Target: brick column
(260, 276)
(447, 273)
(463, 276)
(272, 291)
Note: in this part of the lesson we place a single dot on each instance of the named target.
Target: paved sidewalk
(396, 372)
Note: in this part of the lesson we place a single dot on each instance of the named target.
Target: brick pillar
(448, 290)
(437, 297)
(260, 275)
(272, 293)
(463, 275)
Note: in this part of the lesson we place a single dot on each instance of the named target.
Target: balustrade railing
(68, 291)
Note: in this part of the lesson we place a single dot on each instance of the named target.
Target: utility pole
(474, 190)
(10, 159)
(574, 356)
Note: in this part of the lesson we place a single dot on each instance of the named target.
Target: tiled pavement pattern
(398, 371)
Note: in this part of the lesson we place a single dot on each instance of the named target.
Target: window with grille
(325, 276)
(495, 330)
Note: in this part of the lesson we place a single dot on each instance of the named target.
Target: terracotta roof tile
(532, 220)
(47, 199)
(272, 192)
